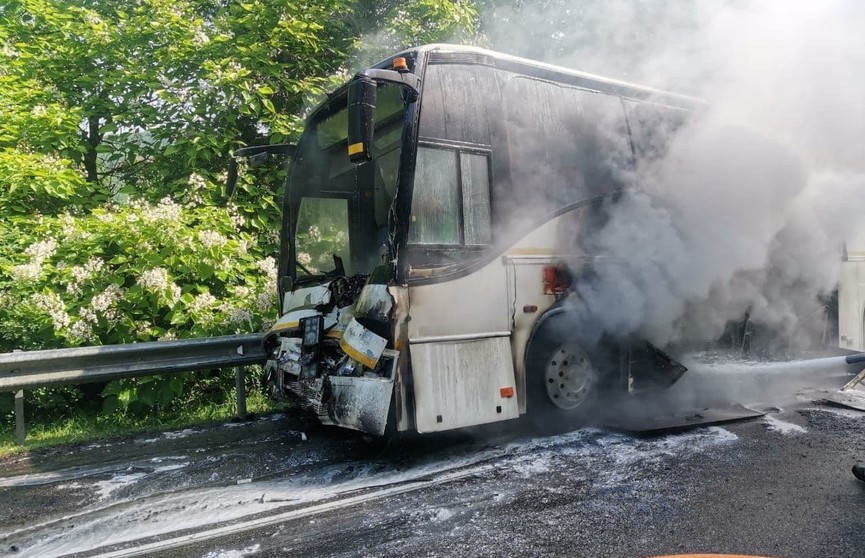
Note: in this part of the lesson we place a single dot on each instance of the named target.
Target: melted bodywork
(329, 354)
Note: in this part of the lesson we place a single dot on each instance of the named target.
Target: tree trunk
(93, 140)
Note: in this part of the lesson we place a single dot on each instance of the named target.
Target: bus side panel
(554, 243)
(851, 303)
(458, 333)
(461, 383)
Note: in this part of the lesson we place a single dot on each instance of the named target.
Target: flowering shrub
(131, 272)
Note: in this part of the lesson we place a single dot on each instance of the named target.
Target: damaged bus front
(333, 349)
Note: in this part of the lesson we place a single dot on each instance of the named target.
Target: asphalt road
(279, 486)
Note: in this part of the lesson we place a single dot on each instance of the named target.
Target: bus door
(459, 328)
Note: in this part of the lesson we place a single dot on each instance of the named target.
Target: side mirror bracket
(257, 154)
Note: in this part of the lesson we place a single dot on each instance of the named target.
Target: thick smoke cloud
(748, 208)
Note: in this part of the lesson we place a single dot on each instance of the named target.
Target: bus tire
(564, 380)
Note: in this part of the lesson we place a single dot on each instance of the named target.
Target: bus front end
(333, 350)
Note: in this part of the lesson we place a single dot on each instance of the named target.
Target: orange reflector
(355, 148)
(507, 392)
(399, 64)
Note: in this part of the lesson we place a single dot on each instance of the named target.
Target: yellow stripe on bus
(357, 355)
(283, 327)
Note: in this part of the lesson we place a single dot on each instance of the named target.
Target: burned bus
(432, 220)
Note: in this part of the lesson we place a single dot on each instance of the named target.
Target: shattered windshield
(341, 208)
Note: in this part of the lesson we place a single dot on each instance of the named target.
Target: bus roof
(556, 73)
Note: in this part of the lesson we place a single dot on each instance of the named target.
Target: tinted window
(451, 199)
(322, 230)
(475, 174)
(565, 144)
(435, 201)
(456, 102)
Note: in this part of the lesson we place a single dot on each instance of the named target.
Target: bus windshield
(341, 209)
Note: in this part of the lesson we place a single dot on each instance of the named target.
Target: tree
(117, 121)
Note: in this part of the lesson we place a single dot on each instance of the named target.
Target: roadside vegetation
(74, 415)
(117, 123)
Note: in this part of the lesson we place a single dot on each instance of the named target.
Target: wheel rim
(569, 377)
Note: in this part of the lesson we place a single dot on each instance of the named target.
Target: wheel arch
(556, 309)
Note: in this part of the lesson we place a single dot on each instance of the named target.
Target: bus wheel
(562, 378)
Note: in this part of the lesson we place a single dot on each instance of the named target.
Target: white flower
(8, 51)
(268, 266)
(210, 239)
(27, 272)
(264, 301)
(112, 316)
(107, 298)
(41, 251)
(241, 291)
(314, 233)
(168, 336)
(202, 302)
(196, 181)
(174, 292)
(107, 217)
(92, 19)
(88, 270)
(235, 216)
(53, 305)
(303, 258)
(87, 315)
(239, 315)
(81, 332)
(166, 210)
(200, 38)
(155, 279)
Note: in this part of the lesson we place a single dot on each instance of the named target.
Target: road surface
(779, 485)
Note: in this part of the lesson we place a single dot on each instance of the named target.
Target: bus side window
(451, 198)
(435, 199)
(475, 173)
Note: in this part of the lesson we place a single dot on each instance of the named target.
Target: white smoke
(748, 209)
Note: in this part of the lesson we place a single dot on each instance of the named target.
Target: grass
(83, 426)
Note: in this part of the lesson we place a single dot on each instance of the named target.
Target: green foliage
(132, 272)
(388, 26)
(80, 424)
(117, 121)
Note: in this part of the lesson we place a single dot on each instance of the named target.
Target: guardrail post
(240, 387)
(20, 427)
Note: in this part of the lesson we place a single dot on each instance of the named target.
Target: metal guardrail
(22, 370)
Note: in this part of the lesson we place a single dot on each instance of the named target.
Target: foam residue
(611, 457)
(777, 425)
(233, 553)
(105, 488)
